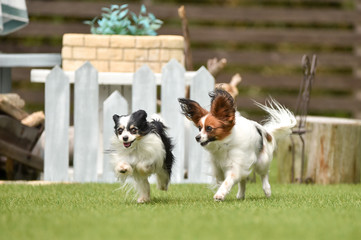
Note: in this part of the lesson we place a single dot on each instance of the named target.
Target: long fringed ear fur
(192, 110)
(223, 106)
(140, 118)
(141, 115)
(116, 118)
(116, 122)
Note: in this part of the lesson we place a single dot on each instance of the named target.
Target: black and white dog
(141, 148)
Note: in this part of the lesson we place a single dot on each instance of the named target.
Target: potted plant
(121, 41)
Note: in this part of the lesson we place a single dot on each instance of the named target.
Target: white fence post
(114, 104)
(86, 123)
(144, 91)
(173, 87)
(57, 100)
(104, 92)
(199, 167)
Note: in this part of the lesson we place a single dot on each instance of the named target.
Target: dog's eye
(120, 131)
(133, 131)
(199, 128)
(209, 128)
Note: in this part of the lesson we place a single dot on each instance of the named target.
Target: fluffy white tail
(280, 120)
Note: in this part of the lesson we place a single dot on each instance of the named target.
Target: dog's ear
(116, 118)
(140, 119)
(192, 110)
(116, 123)
(222, 106)
(140, 115)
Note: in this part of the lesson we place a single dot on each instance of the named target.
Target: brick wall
(116, 53)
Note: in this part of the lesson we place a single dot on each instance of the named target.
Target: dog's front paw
(123, 168)
(218, 197)
(143, 199)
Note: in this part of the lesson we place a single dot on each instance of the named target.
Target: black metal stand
(303, 101)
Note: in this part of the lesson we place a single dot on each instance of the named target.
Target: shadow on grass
(205, 200)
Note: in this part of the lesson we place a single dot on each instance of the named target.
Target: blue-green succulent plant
(119, 20)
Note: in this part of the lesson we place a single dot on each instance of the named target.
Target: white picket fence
(92, 134)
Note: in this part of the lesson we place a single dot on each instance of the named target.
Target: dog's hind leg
(241, 189)
(262, 168)
(163, 179)
(265, 185)
(143, 188)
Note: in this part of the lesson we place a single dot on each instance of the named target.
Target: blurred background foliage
(257, 60)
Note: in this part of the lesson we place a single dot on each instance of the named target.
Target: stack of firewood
(11, 107)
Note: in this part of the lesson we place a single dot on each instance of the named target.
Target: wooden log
(14, 98)
(34, 119)
(214, 65)
(8, 107)
(289, 169)
(332, 152)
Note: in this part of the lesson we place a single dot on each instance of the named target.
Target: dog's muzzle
(198, 139)
(128, 144)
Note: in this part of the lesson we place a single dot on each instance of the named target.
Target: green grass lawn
(186, 211)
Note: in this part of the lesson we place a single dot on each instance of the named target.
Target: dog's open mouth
(208, 141)
(128, 144)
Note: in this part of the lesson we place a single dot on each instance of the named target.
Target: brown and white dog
(236, 144)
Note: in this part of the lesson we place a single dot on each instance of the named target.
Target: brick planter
(118, 53)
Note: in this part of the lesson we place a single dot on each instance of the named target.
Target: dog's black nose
(125, 138)
(198, 138)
